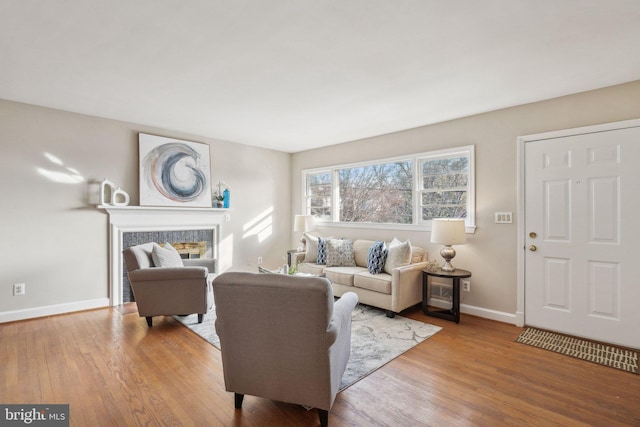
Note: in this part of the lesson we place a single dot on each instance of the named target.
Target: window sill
(375, 226)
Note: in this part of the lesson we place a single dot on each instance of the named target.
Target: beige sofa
(393, 292)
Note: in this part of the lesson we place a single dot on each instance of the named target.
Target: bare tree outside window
(445, 183)
(377, 193)
(318, 194)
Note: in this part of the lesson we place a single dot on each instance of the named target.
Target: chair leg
(200, 318)
(324, 417)
(149, 321)
(238, 400)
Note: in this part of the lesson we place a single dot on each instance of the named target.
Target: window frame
(417, 188)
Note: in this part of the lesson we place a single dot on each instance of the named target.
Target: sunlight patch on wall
(260, 226)
(67, 175)
(225, 254)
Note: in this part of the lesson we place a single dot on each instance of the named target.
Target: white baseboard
(52, 310)
(486, 313)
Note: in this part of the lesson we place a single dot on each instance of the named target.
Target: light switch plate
(504, 217)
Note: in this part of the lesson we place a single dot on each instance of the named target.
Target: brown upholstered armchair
(283, 337)
(176, 290)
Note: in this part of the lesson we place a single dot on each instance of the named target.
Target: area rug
(375, 339)
(607, 355)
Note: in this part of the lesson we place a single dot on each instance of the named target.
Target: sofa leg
(200, 318)
(324, 417)
(149, 321)
(390, 314)
(238, 400)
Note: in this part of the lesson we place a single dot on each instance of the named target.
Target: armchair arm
(167, 273)
(298, 257)
(210, 263)
(341, 315)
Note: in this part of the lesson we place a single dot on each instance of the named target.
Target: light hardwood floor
(114, 371)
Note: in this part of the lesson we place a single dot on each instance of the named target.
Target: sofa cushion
(377, 257)
(310, 268)
(340, 253)
(417, 254)
(373, 282)
(361, 251)
(343, 275)
(166, 256)
(399, 255)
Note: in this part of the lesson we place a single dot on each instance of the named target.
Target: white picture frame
(174, 172)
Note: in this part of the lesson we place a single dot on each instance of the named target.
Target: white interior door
(582, 200)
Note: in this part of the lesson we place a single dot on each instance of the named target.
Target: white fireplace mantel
(124, 219)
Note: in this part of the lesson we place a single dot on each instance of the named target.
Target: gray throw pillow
(166, 256)
(340, 253)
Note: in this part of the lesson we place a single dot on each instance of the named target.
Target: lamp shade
(304, 223)
(448, 231)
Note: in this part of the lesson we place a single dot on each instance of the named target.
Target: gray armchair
(163, 291)
(283, 337)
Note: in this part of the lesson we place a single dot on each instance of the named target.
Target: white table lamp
(448, 232)
(304, 223)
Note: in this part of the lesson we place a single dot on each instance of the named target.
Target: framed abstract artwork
(174, 172)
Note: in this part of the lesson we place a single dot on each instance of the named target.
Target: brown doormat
(602, 354)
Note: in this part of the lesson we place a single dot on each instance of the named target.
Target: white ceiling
(298, 74)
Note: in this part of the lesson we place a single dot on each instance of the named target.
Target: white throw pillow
(311, 251)
(398, 255)
(166, 256)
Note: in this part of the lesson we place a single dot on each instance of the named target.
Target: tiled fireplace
(193, 231)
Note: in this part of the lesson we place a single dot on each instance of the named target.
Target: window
(445, 186)
(378, 193)
(318, 195)
(406, 191)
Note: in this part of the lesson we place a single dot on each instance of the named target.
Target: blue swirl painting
(174, 172)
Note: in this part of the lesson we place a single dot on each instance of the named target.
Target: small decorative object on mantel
(226, 194)
(220, 197)
(116, 196)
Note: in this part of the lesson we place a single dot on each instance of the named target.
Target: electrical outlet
(466, 285)
(259, 260)
(227, 217)
(19, 289)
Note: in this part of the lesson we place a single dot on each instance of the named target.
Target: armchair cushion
(166, 256)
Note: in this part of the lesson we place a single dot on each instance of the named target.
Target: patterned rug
(607, 355)
(375, 339)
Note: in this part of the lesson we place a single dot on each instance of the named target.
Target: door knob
(533, 235)
(533, 248)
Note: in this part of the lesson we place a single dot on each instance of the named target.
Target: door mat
(602, 354)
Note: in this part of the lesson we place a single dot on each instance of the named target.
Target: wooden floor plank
(114, 370)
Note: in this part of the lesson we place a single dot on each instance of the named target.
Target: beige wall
(56, 242)
(491, 252)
